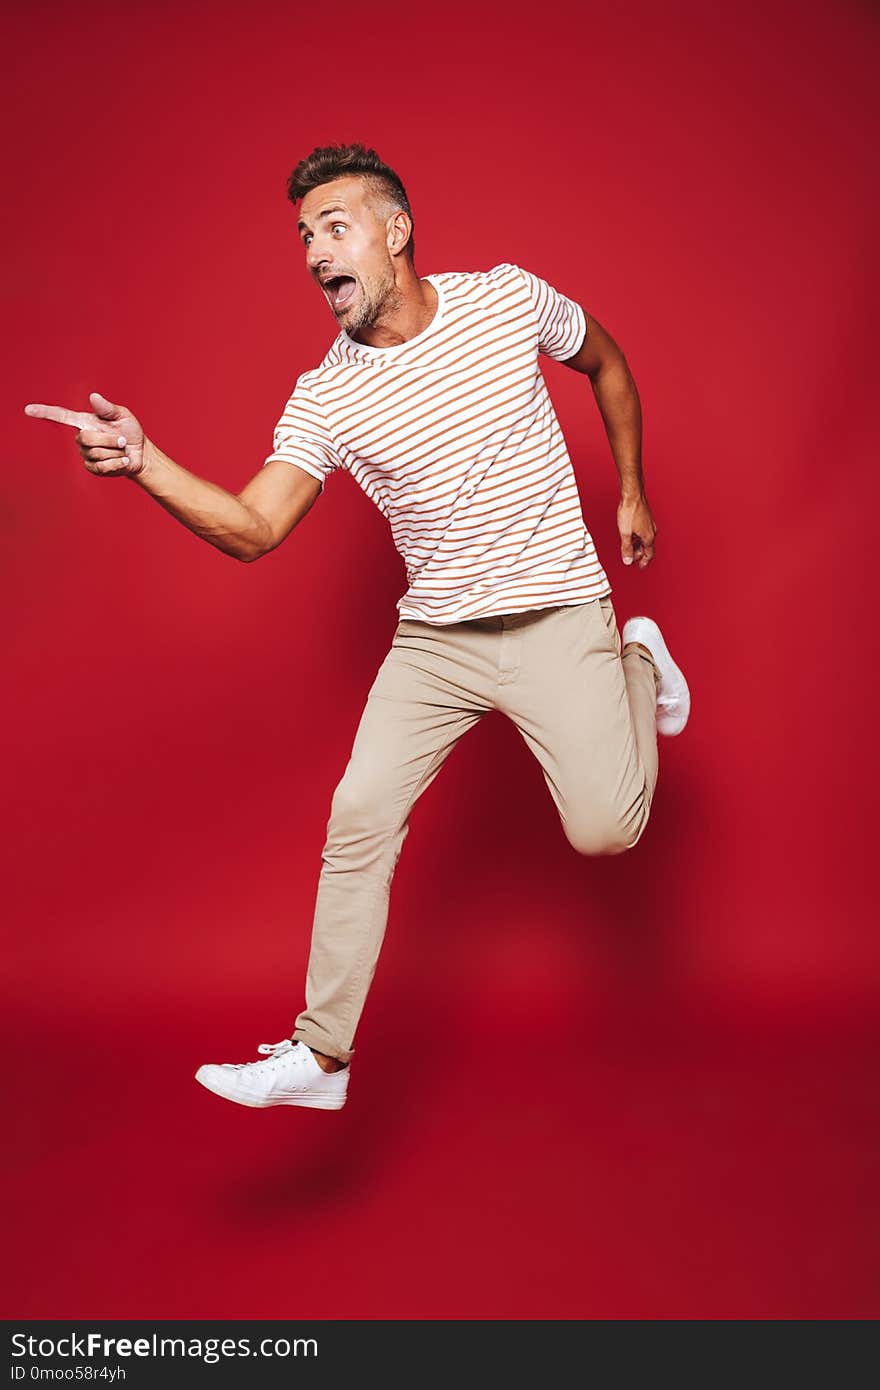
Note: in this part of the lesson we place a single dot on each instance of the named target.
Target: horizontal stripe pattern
(453, 436)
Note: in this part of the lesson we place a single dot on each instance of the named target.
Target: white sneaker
(290, 1075)
(673, 696)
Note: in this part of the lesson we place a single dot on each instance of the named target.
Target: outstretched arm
(112, 443)
(600, 358)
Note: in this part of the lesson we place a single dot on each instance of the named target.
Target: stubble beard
(376, 301)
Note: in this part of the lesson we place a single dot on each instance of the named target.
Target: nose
(316, 254)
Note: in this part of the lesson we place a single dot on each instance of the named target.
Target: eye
(308, 236)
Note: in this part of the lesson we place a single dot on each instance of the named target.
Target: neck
(412, 308)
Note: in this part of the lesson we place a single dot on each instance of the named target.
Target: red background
(600, 1088)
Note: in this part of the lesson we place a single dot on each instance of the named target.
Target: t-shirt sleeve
(302, 436)
(561, 322)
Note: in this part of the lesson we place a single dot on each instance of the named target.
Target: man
(431, 396)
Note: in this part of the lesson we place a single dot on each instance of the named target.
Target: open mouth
(340, 289)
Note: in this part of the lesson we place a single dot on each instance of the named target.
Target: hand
(110, 441)
(637, 531)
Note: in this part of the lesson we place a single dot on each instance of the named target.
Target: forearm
(205, 508)
(621, 411)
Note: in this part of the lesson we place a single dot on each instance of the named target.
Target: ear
(398, 232)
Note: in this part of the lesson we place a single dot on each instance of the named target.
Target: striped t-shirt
(454, 437)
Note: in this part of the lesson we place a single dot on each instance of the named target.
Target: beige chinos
(586, 710)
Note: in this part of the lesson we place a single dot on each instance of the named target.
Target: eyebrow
(326, 213)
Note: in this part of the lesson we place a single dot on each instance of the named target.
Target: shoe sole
(305, 1102)
(683, 700)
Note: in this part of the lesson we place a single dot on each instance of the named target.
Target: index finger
(78, 418)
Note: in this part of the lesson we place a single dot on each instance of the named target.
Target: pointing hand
(111, 440)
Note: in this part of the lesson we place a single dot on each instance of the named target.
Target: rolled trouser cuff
(321, 1044)
(641, 650)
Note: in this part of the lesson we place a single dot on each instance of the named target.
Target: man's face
(346, 245)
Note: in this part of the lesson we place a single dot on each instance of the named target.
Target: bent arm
(614, 389)
(245, 526)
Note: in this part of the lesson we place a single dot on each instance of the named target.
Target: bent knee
(608, 834)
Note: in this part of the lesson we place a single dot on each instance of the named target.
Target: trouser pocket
(609, 619)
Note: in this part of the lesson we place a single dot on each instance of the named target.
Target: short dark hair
(328, 162)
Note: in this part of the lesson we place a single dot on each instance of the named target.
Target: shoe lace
(285, 1045)
(272, 1049)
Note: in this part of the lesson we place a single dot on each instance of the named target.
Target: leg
(587, 710)
(417, 710)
